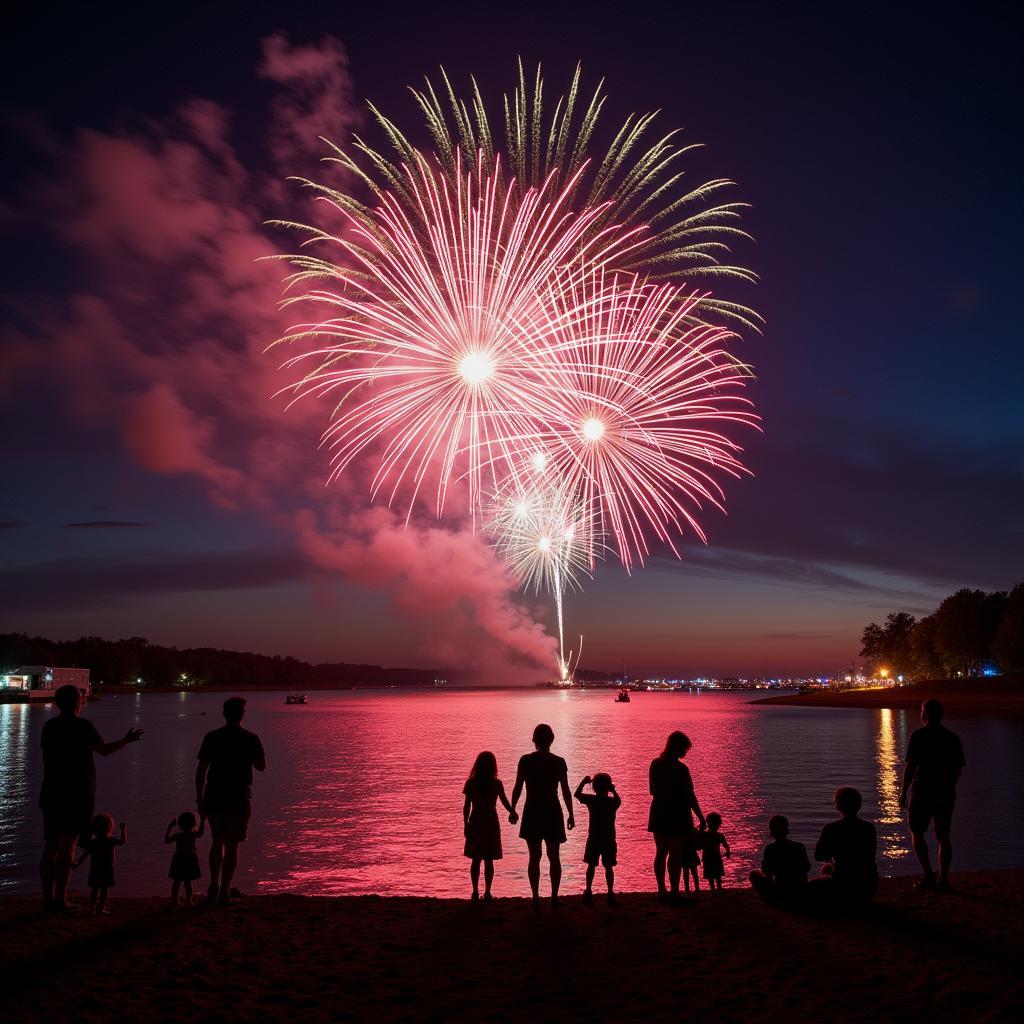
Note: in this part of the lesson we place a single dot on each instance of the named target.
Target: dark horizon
(154, 488)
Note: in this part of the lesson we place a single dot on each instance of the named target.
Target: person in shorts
(935, 760)
(68, 794)
(224, 793)
(603, 804)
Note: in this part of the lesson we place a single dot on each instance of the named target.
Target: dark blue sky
(879, 149)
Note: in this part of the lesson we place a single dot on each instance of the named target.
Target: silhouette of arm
(123, 837)
(259, 762)
(909, 771)
(517, 790)
(85, 853)
(168, 838)
(616, 799)
(563, 784)
(503, 798)
(105, 749)
(696, 809)
(202, 826)
(725, 846)
(201, 769)
(579, 789)
(466, 805)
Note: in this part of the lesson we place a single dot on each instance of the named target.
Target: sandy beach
(1001, 696)
(911, 957)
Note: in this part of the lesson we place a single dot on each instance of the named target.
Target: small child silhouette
(601, 847)
(100, 848)
(713, 843)
(185, 861)
(483, 790)
(782, 880)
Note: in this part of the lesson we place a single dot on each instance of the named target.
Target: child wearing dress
(713, 843)
(603, 804)
(100, 849)
(483, 790)
(185, 861)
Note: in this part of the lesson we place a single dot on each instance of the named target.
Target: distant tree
(926, 661)
(1008, 646)
(872, 646)
(966, 624)
(889, 646)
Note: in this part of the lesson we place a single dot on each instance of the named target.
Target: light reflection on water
(364, 788)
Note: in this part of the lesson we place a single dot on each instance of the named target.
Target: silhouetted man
(224, 793)
(847, 847)
(935, 759)
(68, 795)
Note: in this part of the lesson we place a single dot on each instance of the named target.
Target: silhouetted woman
(483, 790)
(671, 820)
(543, 774)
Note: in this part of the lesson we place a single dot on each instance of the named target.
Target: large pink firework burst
(434, 341)
(637, 400)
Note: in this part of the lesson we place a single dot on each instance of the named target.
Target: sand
(911, 957)
(1001, 697)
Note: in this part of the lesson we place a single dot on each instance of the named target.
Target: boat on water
(623, 696)
(296, 698)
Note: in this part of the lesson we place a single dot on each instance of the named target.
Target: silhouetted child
(713, 843)
(483, 790)
(100, 850)
(782, 880)
(603, 804)
(185, 860)
(691, 861)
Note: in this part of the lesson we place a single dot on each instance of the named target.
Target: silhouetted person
(224, 793)
(847, 847)
(603, 804)
(483, 790)
(99, 848)
(185, 859)
(782, 880)
(543, 774)
(935, 759)
(712, 842)
(68, 794)
(673, 804)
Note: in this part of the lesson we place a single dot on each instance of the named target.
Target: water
(363, 791)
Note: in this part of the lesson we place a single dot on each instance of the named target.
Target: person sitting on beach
(782, 880)
(100, 850)
(673, 803)
(848, 848)
(543, 774)
(185, 860)
(712, 842)
(483, 790)
(224, 793)
(68, 795)
(603, 804)
(935, 759)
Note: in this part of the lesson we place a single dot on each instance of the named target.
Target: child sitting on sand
(483, 790)
(100, 848)
(713, 843)
(185, 861)
(603, 804)
(782, 880)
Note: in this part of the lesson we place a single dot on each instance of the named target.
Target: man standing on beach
(68, 795)
(224, 793)
(935, 759)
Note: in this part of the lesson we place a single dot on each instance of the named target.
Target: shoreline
(321, 958)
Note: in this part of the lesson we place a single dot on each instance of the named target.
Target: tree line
(971, 632)
(138, 662)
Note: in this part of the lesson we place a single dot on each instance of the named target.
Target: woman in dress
(671, 820)
(483, 790)
(543, 774)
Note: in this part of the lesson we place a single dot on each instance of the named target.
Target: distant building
(41, 682)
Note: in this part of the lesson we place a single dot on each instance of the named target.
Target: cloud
(162, 339)
(104, 524)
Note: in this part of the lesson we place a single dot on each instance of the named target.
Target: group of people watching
(228, 756)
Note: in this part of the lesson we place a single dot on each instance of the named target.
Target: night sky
(153, 487)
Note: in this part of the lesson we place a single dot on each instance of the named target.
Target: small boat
(623, 697)
(296, 698)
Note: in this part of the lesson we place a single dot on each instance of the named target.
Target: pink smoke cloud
(165, 337)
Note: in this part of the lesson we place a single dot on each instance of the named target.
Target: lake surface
(363, 791)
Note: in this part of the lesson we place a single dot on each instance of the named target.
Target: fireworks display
(528, 321)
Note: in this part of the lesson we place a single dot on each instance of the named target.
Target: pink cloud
(164, 339)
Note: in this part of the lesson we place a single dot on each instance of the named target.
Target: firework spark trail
(431, 323)
(634, 397)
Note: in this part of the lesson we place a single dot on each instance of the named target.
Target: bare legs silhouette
(668, 849)
(920, 844)
(554, 866)
(223, 861)
(55, 869)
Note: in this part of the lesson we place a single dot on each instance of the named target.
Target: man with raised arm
(68, 795)
(935, 760)
(224, 793)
